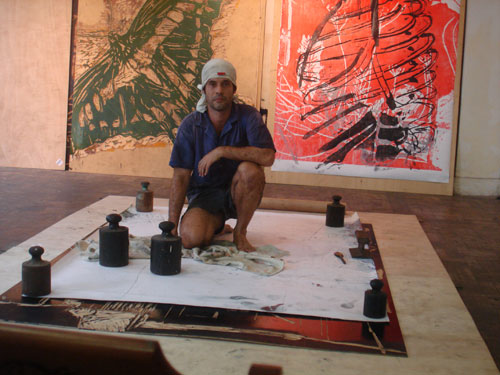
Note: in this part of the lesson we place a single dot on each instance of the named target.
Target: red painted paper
(365, 87)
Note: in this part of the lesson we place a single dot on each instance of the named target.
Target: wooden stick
(298, 205)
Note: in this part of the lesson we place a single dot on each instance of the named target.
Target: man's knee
(198, 228)
(195, 236)
(250, 174)
(190, 240)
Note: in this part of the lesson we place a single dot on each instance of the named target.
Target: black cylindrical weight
(335, 213)
(36, 274)
(375, 300)
(166, 251)
(144, 199)
(113, 243)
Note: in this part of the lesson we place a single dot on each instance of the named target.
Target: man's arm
(260, 156)
(178, 188)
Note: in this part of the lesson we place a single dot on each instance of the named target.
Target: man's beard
(219, 106)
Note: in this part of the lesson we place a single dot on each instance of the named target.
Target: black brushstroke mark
(375, 32)
(335, 118)
(271, 308)
(388, 120)
(375, 21)
(365, 128)
(301, 67)
(368, 121)
(240, 297)
(397, 134)
(385, 152)
(321, 107)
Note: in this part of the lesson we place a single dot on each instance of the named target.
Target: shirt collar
(233, 117)
(231, 120)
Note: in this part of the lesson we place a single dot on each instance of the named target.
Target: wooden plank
(23, 346)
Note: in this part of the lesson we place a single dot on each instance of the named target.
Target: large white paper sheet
(314, 282)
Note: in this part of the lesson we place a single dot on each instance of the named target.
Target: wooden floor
(465, 231)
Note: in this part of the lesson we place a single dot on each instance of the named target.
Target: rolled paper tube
(298, 205)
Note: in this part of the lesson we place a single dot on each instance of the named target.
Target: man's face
(219, 94)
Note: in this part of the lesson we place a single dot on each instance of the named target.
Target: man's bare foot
(227, 229)
(240, 239)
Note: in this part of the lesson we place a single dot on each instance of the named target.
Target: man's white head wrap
(216, 68)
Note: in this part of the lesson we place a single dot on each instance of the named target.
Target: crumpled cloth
(266, 260)
(138, 248)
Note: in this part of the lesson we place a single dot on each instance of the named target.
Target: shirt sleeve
(257, 133)
(183, 153)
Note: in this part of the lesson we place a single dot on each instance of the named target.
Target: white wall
(34, 73)
(478, 151)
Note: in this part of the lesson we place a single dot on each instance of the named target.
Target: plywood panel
(34, 50)
(236, 35)
(139, 161)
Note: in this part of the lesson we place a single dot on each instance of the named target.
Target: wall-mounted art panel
(136, 68)
(137, 64)
(366, 88)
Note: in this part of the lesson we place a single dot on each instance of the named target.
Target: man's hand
(178, 188)
(260, 156)
(206, 162)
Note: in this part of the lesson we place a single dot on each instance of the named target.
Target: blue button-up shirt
(196, 137)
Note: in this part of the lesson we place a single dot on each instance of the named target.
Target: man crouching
(218, 158)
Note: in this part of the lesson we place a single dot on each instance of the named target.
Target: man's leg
(246, 190)
(198, 227)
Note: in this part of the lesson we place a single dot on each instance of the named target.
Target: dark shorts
(215, 201)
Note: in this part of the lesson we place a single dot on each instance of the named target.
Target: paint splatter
(271, 308)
